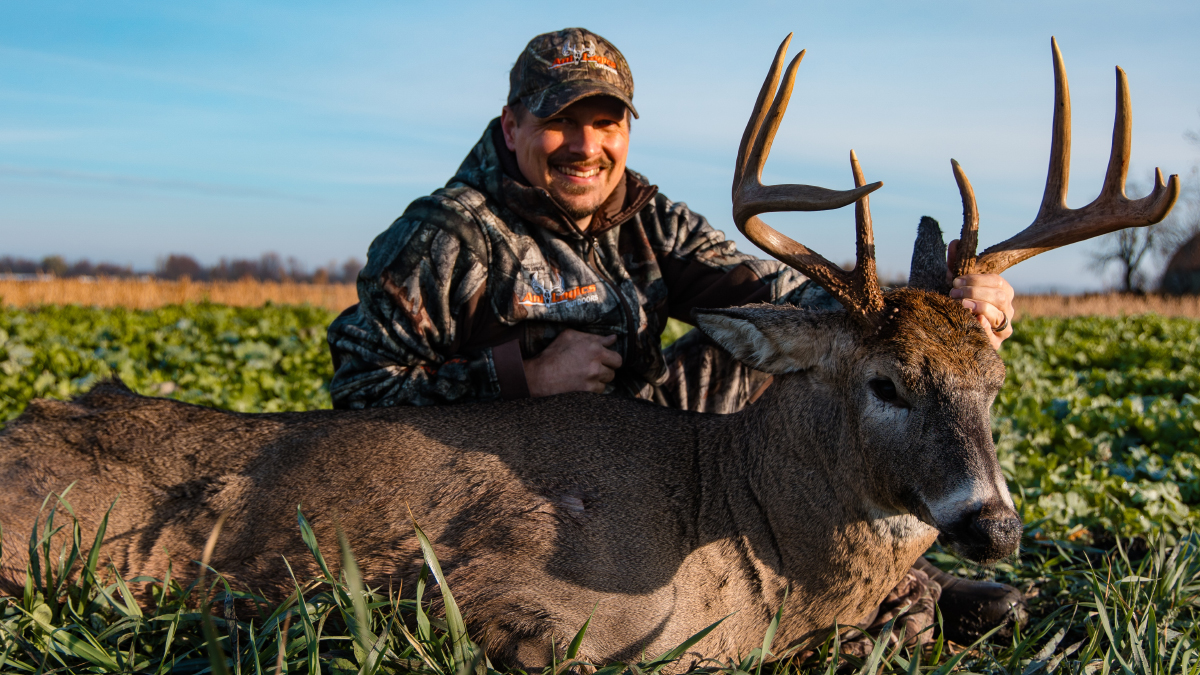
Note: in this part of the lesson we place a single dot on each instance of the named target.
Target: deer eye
(885, 390)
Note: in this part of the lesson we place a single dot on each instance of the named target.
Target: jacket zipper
(631, 334)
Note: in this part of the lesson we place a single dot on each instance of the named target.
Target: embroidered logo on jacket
(541, 295)
(573, 53)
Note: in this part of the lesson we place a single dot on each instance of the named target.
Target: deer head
(910, 373)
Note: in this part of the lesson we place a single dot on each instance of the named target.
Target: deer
(873, 441)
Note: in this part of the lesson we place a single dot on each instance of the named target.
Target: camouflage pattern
(556, 69)
(489, 270)
(703, 377)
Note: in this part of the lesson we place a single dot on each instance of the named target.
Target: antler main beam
(858, 290)
(1055, 224)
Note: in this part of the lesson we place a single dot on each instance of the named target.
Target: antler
(1055, 224)
(857, 290)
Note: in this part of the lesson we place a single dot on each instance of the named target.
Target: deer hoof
(972, 608)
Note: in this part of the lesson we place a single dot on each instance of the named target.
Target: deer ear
(928, 270)
(775, 339)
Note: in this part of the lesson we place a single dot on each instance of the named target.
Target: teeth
(587, 173)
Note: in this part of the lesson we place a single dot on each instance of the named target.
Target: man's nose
(587, 141)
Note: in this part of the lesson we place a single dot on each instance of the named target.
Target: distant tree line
(267, 267)
(55, 265)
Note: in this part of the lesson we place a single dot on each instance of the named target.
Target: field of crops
(1097, 428)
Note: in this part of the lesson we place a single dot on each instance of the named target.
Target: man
(546, 266)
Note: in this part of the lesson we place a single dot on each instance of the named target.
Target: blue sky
(131, 130)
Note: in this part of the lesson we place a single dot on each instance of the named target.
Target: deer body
(539, 509)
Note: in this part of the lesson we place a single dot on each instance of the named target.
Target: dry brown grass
(149, 294)
(1107, 304)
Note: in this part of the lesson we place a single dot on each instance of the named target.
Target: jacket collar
(492, 168)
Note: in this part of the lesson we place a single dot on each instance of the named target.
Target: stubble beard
(579, 209)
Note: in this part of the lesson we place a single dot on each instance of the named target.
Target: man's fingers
(951, 251)
(994, 296)
(987, 311)
(608, 340)
(990, 298)
(985, 280)
(606, 375)
(610, 358)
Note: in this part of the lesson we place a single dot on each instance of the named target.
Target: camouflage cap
(556, 69)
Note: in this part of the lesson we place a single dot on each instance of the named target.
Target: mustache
(580, 164)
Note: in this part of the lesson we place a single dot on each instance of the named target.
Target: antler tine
(865, 280)
(968, 241)
(751, 197)
(1059, 172)
(1055, 224)
(760, 111)
(1118, 156)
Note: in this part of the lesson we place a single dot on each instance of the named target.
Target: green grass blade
(88, 575)
(948, 667)
(65, 566)
(423, 629)
(880, 646)
(474, 659)
(172, 628)
(772, 628)
(679, 650)
(373, 659)
(577, 641)
(130, 602)
(359, 623)
(257, 656)
(310, 631)
(455, 626)
(77, 646)
(310, 540)
(419, 648)
(35, 565)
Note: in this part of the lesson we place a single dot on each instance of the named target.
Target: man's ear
(508, 125)
(775, 339)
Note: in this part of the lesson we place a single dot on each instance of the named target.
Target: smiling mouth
(578, 173)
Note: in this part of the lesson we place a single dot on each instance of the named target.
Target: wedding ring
(1003, 325)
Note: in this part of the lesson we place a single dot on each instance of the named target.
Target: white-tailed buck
(874, 439)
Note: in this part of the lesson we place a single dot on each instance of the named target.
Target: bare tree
(1133, 250)
(55, 265)
(1182, 272)
(179, 265)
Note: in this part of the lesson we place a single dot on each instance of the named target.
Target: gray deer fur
(928, 268)
(541, 509)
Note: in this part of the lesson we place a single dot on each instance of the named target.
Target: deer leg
(972, 608)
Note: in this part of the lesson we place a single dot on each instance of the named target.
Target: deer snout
(991, 533)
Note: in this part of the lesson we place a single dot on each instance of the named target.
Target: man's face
(577, 154)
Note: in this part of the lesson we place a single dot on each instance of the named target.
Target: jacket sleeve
(704, 270)
(418, 295)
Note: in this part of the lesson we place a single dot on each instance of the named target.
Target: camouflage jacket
(488, 271)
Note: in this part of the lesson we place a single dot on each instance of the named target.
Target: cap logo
(573, 53)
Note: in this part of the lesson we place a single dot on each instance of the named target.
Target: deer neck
(797, 495)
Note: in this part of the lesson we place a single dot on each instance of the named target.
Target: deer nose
(994, 533)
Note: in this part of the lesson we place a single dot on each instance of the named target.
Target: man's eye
(885, 390)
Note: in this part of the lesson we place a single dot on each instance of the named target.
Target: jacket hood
(492, 168)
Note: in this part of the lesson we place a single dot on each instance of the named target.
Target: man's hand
(989, 297)
(575, 361)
